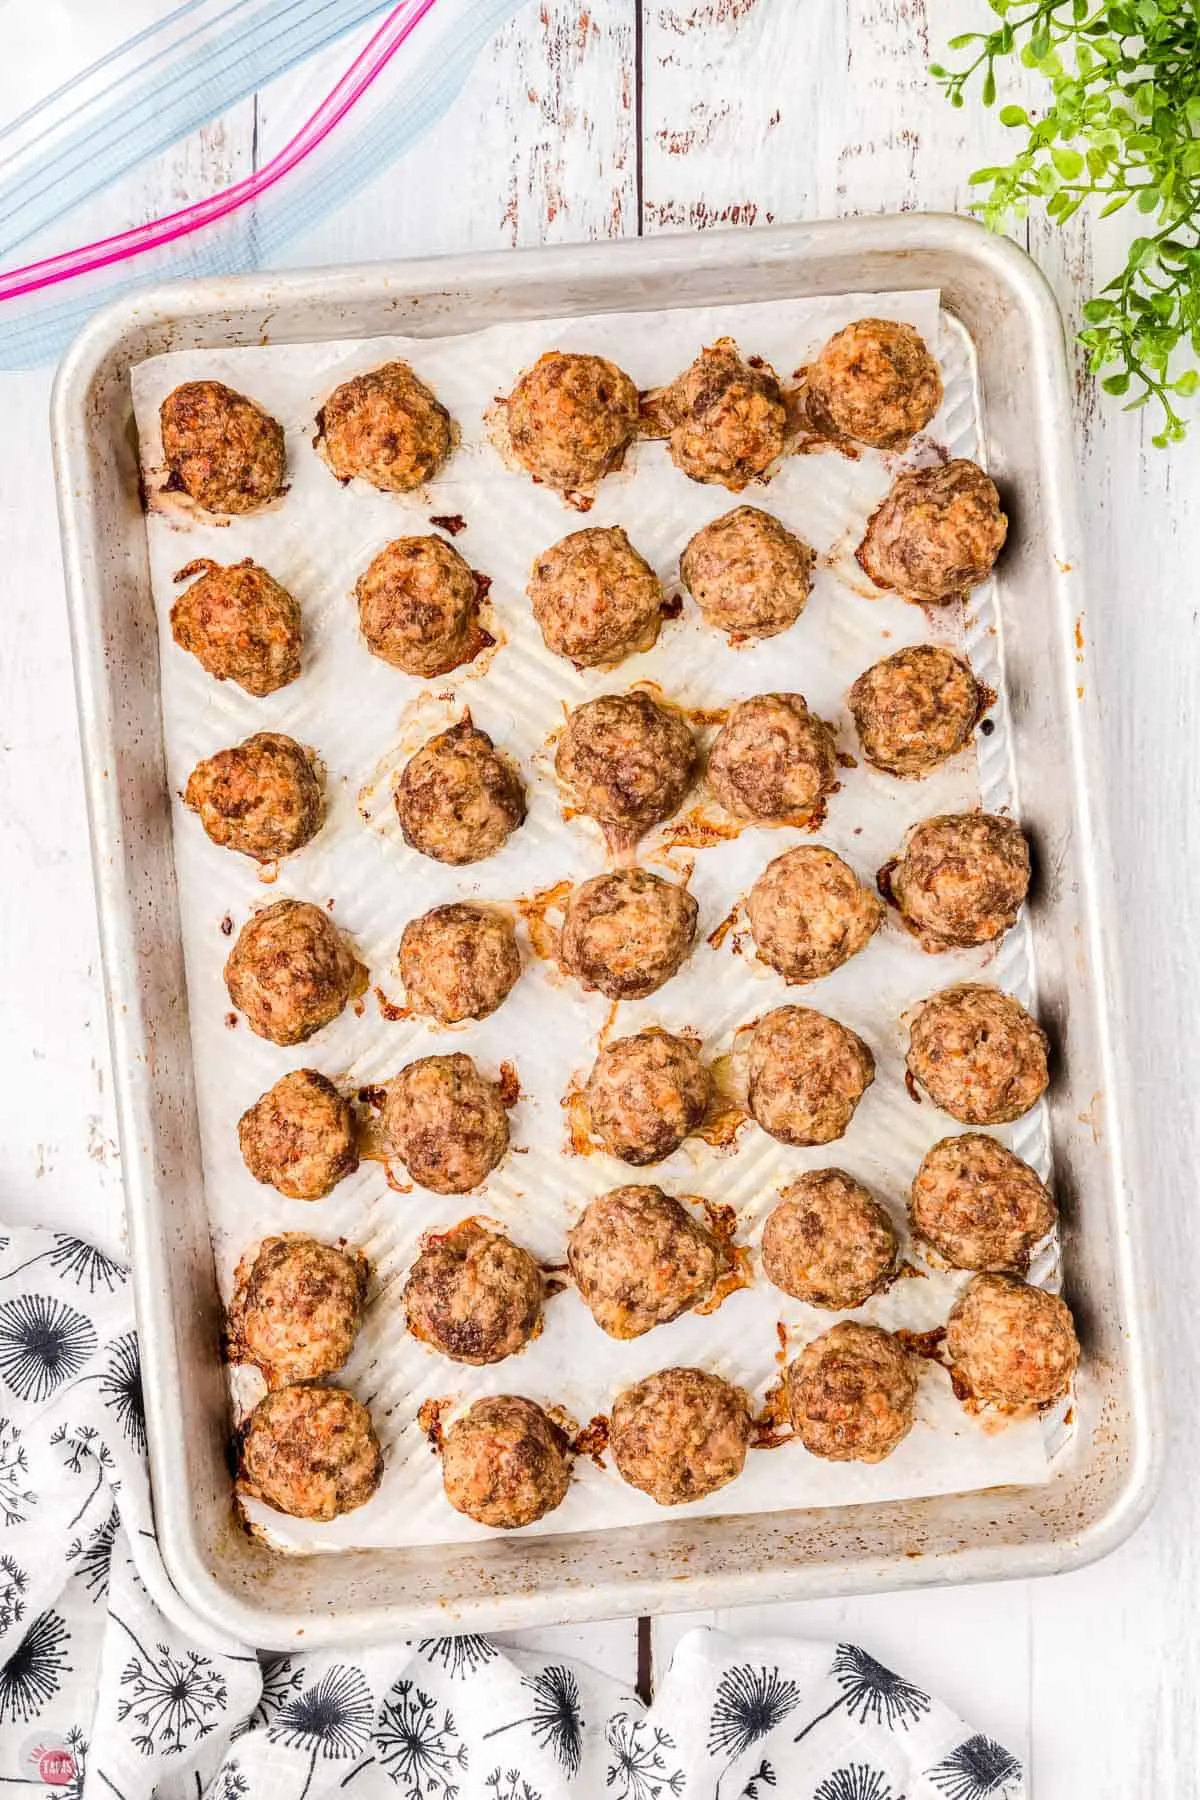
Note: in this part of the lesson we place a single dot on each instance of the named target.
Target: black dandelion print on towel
(171, 1699)
(977, 1770)
(121, 1389)
(417, 1744)
(33, 1673)
(509, 1784)
(82, 1262)
(281, 1681)
(557, 1719)
(91, 1561)
(644, 1762)
(763, 1777)
(13, 1584)
(871, 1693)
(856, 1782)
(16, 1498)
(230, 1784)
(43, 1342)
(459, 1656)
(750, 1702)
(331, 1719)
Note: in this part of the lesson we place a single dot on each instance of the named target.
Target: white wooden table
(630, 117)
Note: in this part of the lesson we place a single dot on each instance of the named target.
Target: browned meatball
(807, 1075)
(978, 1205)
(291, 971)
(961, 879)
(627, 762)
(748, 574)
(446, 1123)
(240, 625)
(628, 932)
(875, 382)
(299, 1136)
(937, 534)
(262, 797)
(595, 599)
(810, 913)
(727, 418)
(639, 1259)
(978, 1054)
(645, 1094)
(473, 1295)
(829, 1241)
(297, 1307)
(418, 606)
(773, 760)
(310, 1452)
(914, 709)
(221, 448)
(459, 799)
(571, 419)
(505, 1463)
(851, 1393)
(680, 1434)
(387, 427)
(459, 962)
(1011, 1344)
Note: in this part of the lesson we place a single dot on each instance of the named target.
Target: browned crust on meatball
(459, 799)
(473, 1294)
(875, 383)
(773, 761)
(262, 797)
(978, 1206)
(639, 1259)
(459, 961)
(914, 709)
(680, 1434)
(809, 913)
(727, 417)
(978, 1054)
(626, 762)
(221, 448)
(628, 932)
(240, 625)
(1011, 1345)
(749, 575)
(571, 418)
(961, 879)
(505, 1463)
(937, 533)
(310, 1452)
(386, 427)
(851, 1394)
(291, 972)
(418, 606)
(299, 1136)
(647, 1093)
(595, 599)
(829, 1241)
(297, 1308)
(807, 1074)
(446, 1122)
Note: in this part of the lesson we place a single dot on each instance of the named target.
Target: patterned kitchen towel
(105, 1695)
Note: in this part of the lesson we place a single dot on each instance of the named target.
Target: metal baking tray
(1104, 1479)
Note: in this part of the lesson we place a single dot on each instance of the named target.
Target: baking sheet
(365, 718)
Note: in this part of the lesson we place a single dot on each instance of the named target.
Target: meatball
(446, 1123)
(459, 799)
(938, 533)
(851, 1393)
(829, 1241)
(978, 1054)
(810, 913)
(473, 1295)
(627, 762)
(595, 599)
(748, 574)
(914, 709)
(680, 1434)
(773, 760)
(459, 962)
(646, 1094)
(299, 1136)
(874, 382)
(571, 419)
(310, 1452)
(291, 971)
(262, 797)
(639, 1259)
(628, 932)
(505, 1463)
(297, 1308)
(418, 606)
(807, 1075)
(240, 625)
(387, 427)
(961, 879)
(1011, 1344)
(979, 1206)
(221, 448)
(728, 422)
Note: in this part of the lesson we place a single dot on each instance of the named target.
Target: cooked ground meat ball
(829, 1241)
(807, 1075)
(387, 427)
(310, 1452)
(938, 533)
(961, 879)
(639, 1259)
(240, 625)
(627, 762)
(595, 599)
(262, 797)
(680, 1434)
(747, 573)
(459, 962)
(851, 1393)
(646, 1094)
(221, 448)
(728, 419)
(299, 1136)
(773, 760)
(875, 382)
(978, 1054)
(291, 971)
(297, 1307)
(459, 799)
(628, 932)
(445, 1122)
(571, 419)
(978, 1205)
(914, 709)
(505, 1463)
(473, 1295)
(1011, 1344)
(809, 913)
(418, 606)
